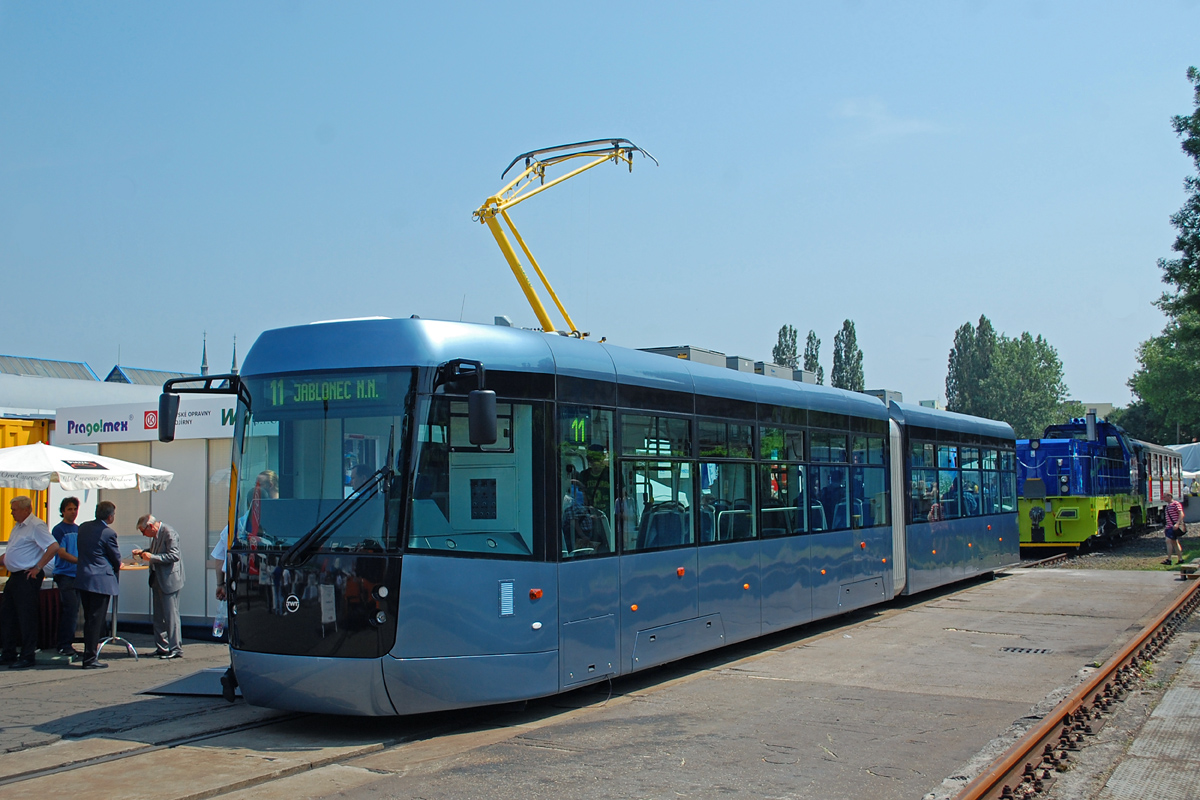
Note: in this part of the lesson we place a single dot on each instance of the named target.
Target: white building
(196, 504)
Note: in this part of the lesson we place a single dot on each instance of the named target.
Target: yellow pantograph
(532, 181)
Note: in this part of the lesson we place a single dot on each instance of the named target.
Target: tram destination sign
(340, 390)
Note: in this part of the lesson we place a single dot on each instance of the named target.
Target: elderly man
(96, 577)
(166, 579)
(30, 547)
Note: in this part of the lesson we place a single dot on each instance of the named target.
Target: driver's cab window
(470, 498)
(585, 441)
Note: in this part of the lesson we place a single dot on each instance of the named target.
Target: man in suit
(166, 579)
(96, 577)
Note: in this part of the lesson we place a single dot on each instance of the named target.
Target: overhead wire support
(532, 181)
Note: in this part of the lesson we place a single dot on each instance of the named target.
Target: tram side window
(972, 482)
(870, 497)
(829, 498)
(585, 438)
(720, 439)
(922, 455)
(947, 455)
(828, 447)
(950, 492)
(784, 511)
(655, 505)
(1008, 491)
(643, 435)
(726, 502)
(469, 499)
(924, 498)
(867, 450)
(780, 444)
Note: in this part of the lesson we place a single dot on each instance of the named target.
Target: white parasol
(36, 466)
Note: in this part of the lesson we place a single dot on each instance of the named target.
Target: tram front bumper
(317, 685)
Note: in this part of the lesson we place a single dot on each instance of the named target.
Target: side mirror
(168, 409)
(481, 416)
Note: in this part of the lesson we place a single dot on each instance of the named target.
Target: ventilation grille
(506, 598)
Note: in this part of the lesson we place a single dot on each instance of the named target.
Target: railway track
(1030, 767)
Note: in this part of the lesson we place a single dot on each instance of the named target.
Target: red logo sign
(151, 420)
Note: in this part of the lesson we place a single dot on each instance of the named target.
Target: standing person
(166, 579)
(1173, 514)
(96, 577)
(221, 553)
(66, 533)
(594, 481)
(30, 547)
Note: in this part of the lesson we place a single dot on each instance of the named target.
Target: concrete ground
(895, 702)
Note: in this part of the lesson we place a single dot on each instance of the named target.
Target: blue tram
(389, 556)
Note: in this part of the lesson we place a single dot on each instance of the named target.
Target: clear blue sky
(167, 169)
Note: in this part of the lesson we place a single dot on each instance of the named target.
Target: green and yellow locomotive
(1087, 482)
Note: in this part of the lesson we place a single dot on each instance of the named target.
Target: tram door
(589, 570)
(730, 580)
(659, 579)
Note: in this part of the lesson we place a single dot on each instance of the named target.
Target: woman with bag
(1175, 528)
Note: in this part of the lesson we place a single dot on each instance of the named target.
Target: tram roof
(381, 343)
(952, 421)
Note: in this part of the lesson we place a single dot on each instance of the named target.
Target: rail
(1029, 767)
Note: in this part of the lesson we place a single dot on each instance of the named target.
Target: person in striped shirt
(1173, 514)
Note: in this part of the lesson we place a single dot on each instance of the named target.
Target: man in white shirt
(30, 547)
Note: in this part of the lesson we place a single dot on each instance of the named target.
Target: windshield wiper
(336, 516)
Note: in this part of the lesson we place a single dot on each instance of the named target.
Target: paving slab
(1163, 761)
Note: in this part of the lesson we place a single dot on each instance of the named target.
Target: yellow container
(15, 432)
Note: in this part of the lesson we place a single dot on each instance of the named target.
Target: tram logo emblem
(150, 420)
(292, 604)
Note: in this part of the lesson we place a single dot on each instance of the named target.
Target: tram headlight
(381, 617)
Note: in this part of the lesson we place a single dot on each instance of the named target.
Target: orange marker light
(935, 552)
(885, 561)
(969, 544)
(822, 572)
(863, 545)
(746, 586)
(989, 527)
(633, 607)
(679, 572)
(535, 594)
(1002, 538)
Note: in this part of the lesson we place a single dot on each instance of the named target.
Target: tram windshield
(316, 458)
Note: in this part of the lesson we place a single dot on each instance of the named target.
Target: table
(112, 638)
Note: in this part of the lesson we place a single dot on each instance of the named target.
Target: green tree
(1183, 273)
(785, 352)
(1166, 406)
(1143, 422)
(812, 356)
(969, 367)
(1027, 386)
(847, 372)
(1168, 380)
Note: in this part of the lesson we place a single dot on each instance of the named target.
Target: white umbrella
(36, 466)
